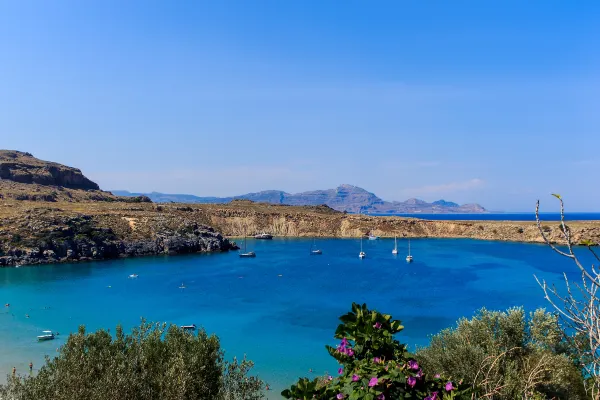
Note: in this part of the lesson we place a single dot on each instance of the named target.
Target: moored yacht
(263, 235)
(46, 335)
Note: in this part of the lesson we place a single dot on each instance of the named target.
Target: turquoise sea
(280, 308)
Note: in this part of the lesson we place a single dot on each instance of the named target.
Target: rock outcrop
(22, 167)
(47, 236)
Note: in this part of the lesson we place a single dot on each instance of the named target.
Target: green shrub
(373, 365)
(507, 356)
(153, 362)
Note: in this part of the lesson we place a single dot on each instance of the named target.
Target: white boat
(133, 276)
(47, 335)
(409, 258)
(247, 254)
(395, 251)
(313, 251)
(191, 327)
(362, 254)
(263, 235)
(182, 286)
(373, 237)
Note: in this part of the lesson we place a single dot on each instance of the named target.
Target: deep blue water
(502, 216)
(280, 308)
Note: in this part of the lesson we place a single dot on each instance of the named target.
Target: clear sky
(495, 102)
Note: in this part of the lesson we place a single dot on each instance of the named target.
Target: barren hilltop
(53, 213)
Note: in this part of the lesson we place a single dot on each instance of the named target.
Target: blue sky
(495, 102)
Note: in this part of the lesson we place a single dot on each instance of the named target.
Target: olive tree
(154, 361)
(505, 355)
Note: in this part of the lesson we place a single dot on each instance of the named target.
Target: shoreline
(35, 232)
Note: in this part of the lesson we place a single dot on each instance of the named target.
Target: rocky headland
(75, 224)
(53, 213)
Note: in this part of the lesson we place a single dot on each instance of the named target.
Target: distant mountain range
(343, 198)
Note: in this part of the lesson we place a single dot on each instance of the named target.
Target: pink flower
(437, 376)
(341, 371)
(381, 397)
(339, 396)
(376, 360)
(330, 378)
(412, 381)
(412, 364)
(355, 378)
(350, 353)
(373, 382)
(377, 325)
(449, 386)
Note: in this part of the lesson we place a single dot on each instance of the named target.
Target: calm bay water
(280, 308)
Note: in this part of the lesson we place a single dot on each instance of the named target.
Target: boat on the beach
(265, 236)
(46, 335)
(409, 258)
(191, 327)
(313, 250)
(247, 254)
(395, 251)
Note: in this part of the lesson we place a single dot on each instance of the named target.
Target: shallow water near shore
(280, 308)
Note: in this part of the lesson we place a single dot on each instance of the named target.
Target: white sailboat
(409, 258)
(247, 254)
(314, 251)
(395, 251)
(362, 254)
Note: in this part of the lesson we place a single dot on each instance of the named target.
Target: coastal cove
(281, 307)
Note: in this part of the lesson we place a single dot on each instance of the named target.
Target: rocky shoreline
(42, 232)
(45, 238)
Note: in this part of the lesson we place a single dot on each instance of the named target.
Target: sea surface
(530, 216)
(280, 308)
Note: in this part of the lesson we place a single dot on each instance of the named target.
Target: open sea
(280, 308)
(523, 216)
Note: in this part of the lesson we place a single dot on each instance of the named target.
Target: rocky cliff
(22, 167)
(24, 177)
(42, 234)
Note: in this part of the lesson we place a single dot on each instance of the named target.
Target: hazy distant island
(345, 197)
(51, 213)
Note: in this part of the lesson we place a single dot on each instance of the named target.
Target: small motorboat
(266, 236)
(373, 237)
(191, 327)
(133, 276)
(182, 286)
(46, 335)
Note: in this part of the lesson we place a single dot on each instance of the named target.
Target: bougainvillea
(373, 365)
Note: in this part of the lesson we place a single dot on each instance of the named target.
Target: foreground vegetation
(153, 362)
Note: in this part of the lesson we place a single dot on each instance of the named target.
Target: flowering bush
(373, 365)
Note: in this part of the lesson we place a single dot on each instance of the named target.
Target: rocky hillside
(23, 167)
(52, 213)
(24, 177)
(343, 198)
